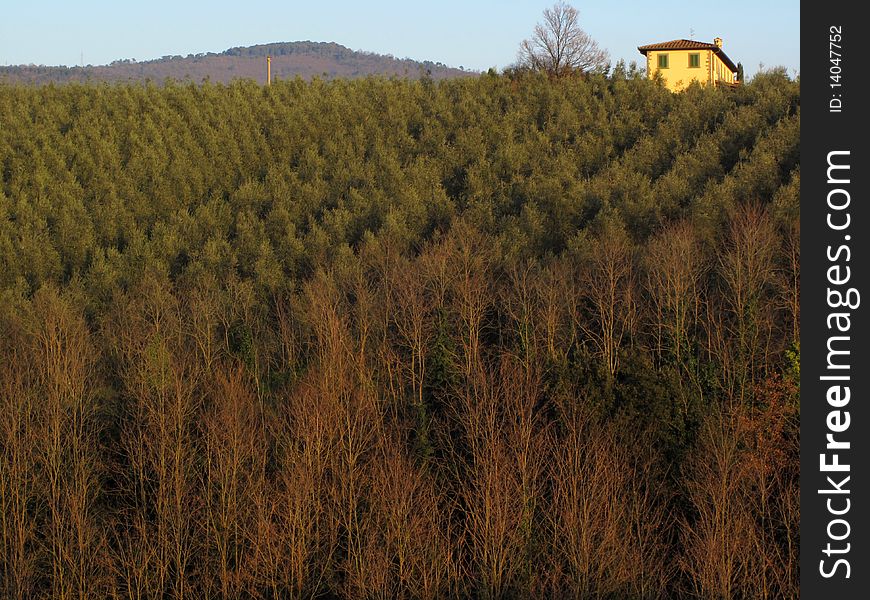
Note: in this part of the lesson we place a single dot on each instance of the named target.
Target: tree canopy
(491, 337)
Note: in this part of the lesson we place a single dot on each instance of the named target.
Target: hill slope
(346, 339)
(289, 59)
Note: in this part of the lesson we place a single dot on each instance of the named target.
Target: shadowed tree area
(492, 337)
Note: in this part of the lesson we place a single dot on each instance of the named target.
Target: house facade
(680, 62)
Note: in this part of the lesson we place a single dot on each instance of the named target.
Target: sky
(473, 34)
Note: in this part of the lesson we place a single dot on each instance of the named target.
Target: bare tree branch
(559, 46)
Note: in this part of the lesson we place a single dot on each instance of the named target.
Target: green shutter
(663, 61)
(694, 61)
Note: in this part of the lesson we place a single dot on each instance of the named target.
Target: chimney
(718, 42)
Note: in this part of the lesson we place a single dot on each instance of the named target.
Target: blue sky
(474, 34)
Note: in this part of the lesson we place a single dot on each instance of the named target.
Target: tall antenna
(691, 33)
(268, 70)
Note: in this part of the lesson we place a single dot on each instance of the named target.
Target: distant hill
(289, 59)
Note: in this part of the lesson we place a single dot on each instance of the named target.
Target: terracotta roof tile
(678, 45)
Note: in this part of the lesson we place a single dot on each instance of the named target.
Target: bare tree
(609, 282)
(559, 46)
(64, 384)
(674, 271)
(748, 272)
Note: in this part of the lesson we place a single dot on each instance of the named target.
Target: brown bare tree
(503, 489)
(19, 491)
(609, 289)
(235, 460)
(162, 379)
(747, 269)
(606, 520)
(559, 46)
(674, 272)
(64, 362)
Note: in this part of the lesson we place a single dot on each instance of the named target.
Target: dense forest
(492, 337)
(289, 59)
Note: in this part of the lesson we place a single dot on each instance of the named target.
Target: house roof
(689, 45)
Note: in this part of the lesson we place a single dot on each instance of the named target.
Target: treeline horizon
(304, 59)
(492, 337)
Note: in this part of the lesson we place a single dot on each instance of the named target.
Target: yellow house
(682, 61)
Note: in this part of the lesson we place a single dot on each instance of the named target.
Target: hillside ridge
(305, 59)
